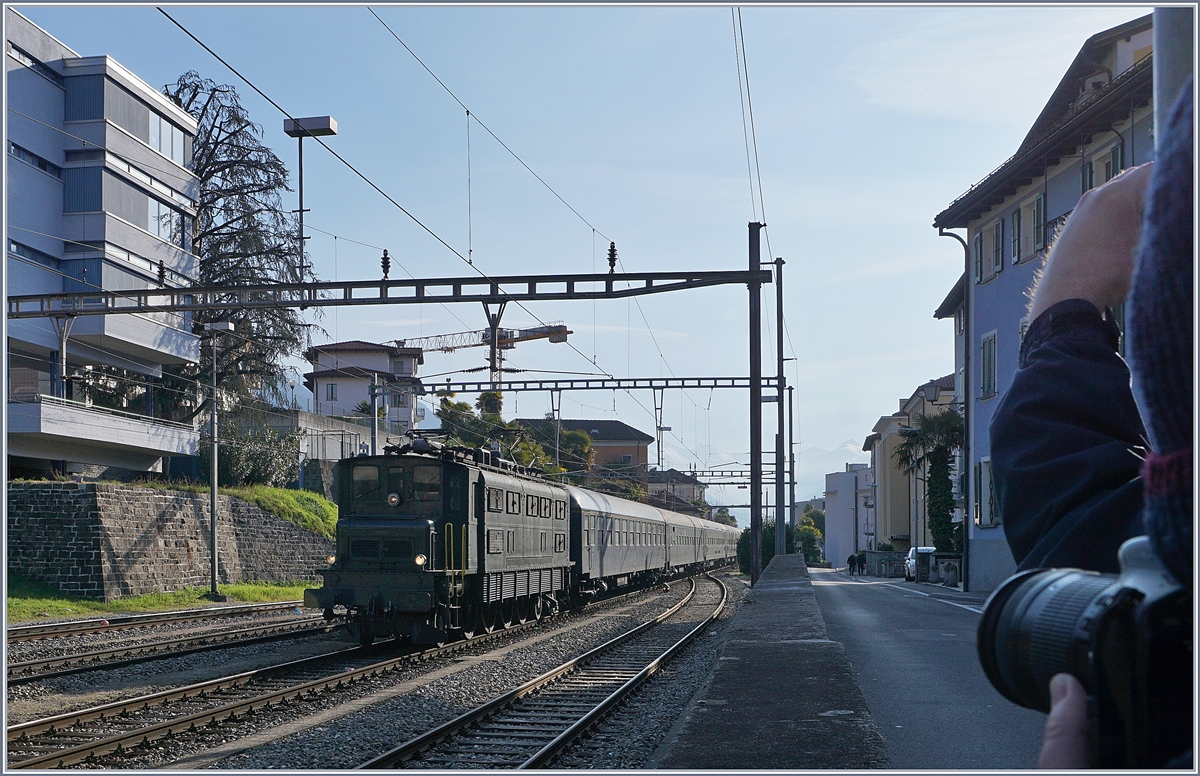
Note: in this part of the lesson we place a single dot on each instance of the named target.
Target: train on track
(436, 541)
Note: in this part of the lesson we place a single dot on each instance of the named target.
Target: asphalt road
(914, 658)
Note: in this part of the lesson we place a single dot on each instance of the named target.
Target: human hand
(1093, 257)
(1064, 742)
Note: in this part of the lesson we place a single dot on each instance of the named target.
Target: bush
(768, 545)
(299, 507)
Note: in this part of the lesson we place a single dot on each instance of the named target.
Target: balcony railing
(42, 398)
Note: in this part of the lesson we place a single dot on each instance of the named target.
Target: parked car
(910, 563)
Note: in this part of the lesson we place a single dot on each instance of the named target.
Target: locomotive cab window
(427, 483)
(366, 488)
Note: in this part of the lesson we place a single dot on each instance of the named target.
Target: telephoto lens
(1127, 638)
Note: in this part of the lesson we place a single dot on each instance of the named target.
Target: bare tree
(243, 236)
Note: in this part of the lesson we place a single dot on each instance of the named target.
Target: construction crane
(506, 339)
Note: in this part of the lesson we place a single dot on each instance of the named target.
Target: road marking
(930, 596)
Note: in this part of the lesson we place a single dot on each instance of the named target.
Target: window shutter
(1039, 222)
(978, 493)
(1016, 235)
(1115, 158)
(998, 247)
(993, 507)
(978, 257)
(988, 366)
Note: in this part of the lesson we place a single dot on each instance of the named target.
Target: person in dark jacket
(852, 563)
(862, 564)
(1075, 470)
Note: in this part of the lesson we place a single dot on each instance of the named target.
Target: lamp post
(214, 331)
(313, 126)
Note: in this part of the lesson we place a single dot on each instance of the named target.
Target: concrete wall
(107, 541)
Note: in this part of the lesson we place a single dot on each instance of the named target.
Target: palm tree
(931, 444)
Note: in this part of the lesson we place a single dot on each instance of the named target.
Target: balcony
(46, 427)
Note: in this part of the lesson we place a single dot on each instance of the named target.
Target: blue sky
(869, 121)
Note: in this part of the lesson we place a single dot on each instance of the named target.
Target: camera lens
(1032, 628)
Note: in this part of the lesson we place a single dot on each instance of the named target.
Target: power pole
(756, 473)
(780, 461)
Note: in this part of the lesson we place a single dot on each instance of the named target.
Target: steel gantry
(489, 290)
(482, 289)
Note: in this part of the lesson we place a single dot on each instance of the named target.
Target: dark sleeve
(1067, 444)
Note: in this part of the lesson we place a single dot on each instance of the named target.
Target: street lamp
(313, 126)
(214, 331)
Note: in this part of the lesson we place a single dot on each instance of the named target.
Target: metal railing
(41, 398)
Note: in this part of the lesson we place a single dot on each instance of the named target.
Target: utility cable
(485, 126)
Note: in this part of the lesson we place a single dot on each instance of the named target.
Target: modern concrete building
(99, 195)
(847, 527)
(341, 379)
(1098, 121)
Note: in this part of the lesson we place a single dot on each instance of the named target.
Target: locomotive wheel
(470, 622)
(538, 607)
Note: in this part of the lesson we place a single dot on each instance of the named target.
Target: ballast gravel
(643, 720)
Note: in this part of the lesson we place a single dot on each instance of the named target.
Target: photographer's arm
(1067, 439)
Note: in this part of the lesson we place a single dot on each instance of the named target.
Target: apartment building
(1098, 121)
(99, 196)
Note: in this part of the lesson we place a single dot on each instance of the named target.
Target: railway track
(47, 668)
(81, 627)
(529, 726)
(106, 734)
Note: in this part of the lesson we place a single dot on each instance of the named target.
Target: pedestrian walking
(852, 563)
(862, 564)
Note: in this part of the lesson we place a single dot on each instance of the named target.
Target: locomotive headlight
(393, 499)
(332, 559)
(420, 560)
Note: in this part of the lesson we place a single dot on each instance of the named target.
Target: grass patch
(31, 600)
(299, 507)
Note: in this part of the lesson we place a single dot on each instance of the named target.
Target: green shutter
(1039, 222)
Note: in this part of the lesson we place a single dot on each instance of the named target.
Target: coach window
(547, 506)
(514, 502)
(427, 483)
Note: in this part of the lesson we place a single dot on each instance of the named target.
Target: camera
(1127, 638)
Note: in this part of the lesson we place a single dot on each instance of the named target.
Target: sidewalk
(782, 694)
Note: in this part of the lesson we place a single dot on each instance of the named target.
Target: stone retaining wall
(106, 541)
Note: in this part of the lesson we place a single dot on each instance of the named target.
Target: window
(987, 365)
(330, 391)
(978, 257)
(166, 138)
(1087, 177)
(513, 505)
(1039, 222)
(495, 500)
(34, 64)
(33, 159)
(366, 483)
(1016, 235)
(510, 541)
(1022, 327)
(427, 483)
(998, 246)
(560, 510)
(1112, 168)
(165, 222)
(560, 542)
(542, 541)
(531, 506)
(401, 366)
(546, 507)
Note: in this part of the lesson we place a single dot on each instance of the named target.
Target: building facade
(99, 196)
(341, 378)
(1098, 122)
(847, 523)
